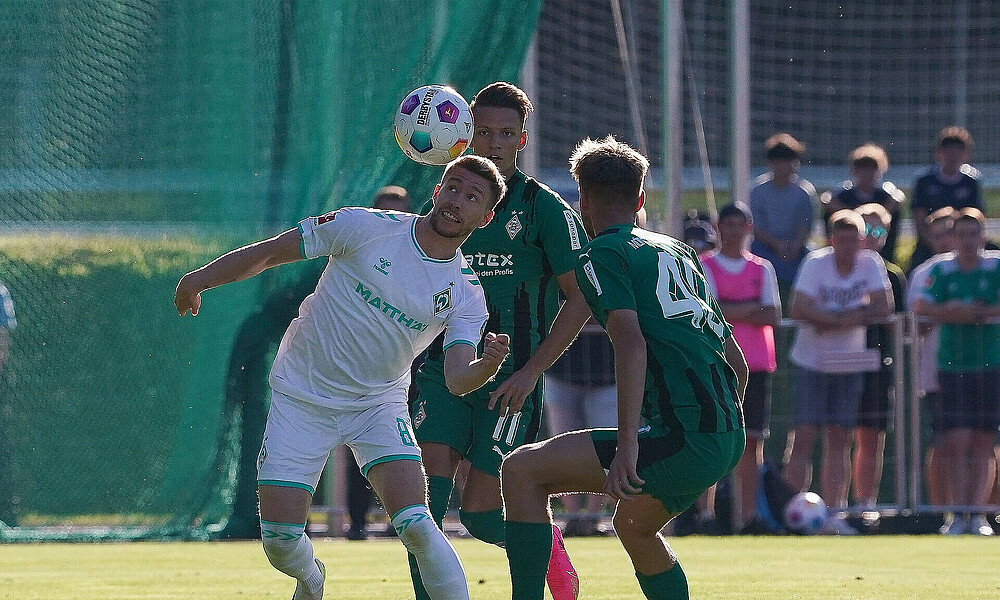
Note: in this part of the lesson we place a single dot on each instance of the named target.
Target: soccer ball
(433, 125)
(805, 513)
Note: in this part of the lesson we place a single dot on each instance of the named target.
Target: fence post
(913, 402)
(900, 402)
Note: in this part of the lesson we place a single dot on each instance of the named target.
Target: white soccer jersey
(378, 304)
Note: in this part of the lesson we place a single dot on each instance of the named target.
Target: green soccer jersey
(966, 347)
(534, 236)
(689, 385)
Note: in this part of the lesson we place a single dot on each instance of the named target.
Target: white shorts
(299, 437)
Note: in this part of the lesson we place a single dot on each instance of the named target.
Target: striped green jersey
(534, 236)
(689, 386)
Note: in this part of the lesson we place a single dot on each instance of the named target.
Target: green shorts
(677, 468)
(464, 423)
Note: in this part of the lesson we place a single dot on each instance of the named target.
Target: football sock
(528, 548)
(671, 584)
(486, 525)
(289, 550)
(439, 498)
(441, 571)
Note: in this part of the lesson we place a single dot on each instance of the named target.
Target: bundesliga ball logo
(433, 125)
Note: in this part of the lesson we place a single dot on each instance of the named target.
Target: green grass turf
(885, 568)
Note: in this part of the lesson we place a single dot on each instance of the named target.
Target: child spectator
(873, 414)
(962, 293)
(951, 183)
(940, 224)
(868, 163)
(782, 204)
(747, 290)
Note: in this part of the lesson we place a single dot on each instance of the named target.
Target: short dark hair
(610, 169)
(782, 146)
(501, 94)
(699, 235)
(734, 209)
(954, 136)
(483, 167)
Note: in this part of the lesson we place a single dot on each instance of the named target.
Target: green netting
(141, 138)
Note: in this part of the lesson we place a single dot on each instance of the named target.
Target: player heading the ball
(394, 282)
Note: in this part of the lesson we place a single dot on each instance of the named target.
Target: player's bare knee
(630, 527)
(520, 474)
(515, 469)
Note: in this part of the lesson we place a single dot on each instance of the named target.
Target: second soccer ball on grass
(805, 513)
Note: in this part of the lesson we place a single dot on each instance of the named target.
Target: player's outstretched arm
(623, 480)
(464, 373)
(237, 265)
(570, 319)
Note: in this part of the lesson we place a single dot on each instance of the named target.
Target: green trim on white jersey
(423, 255)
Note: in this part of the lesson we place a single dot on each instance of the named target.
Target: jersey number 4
(680, 295)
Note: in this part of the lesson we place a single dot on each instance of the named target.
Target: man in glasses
(873, 413)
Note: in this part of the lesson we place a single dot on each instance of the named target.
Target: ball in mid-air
(805, 513)
(433, 125)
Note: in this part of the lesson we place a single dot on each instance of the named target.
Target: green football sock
(671, 584)
(486, 525)
(528, 548)
(439, 497)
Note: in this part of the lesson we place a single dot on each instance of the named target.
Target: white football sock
(289, 550)
(440, 568)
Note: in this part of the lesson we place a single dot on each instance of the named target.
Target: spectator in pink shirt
(747, 290)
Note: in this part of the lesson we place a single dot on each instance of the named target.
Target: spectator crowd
(760, 263)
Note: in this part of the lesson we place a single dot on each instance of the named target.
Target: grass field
(874, 567)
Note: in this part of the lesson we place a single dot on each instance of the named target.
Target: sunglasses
(875, 231)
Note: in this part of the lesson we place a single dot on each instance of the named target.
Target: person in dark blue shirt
(868, 163)
(953, 182)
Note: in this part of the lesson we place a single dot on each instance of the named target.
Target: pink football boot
(564, 583)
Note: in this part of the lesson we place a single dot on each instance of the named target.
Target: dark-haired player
(523, 259)
(680, 376)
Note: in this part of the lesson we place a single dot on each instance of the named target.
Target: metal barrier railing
(908, 444)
